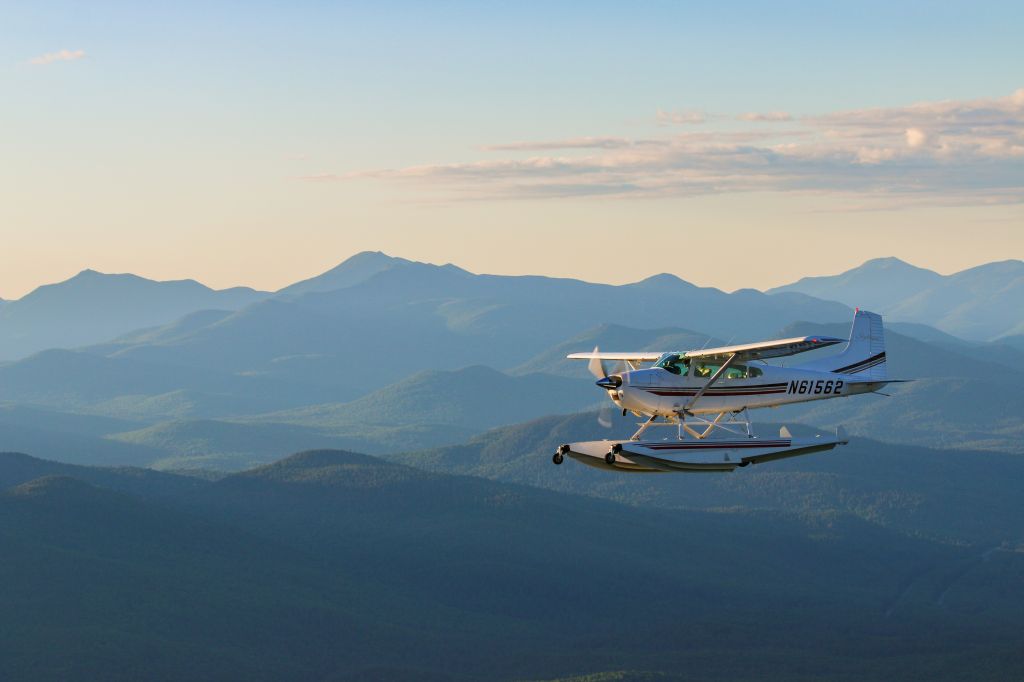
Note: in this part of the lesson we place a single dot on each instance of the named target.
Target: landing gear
(559, 455)
(609, 458)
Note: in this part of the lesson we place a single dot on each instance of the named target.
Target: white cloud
(571, 143)
(766, 116)
(59, 56)
(954, 151)
(916, 137)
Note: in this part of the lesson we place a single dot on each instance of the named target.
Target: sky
(732, 144)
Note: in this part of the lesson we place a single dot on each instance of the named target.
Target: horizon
(475, 272)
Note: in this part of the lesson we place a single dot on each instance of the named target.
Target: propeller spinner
(605, 379)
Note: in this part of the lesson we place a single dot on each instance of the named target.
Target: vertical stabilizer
(864, 355)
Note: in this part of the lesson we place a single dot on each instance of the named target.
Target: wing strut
(712, 380)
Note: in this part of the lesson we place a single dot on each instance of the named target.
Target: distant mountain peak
(321, 458)
(353, 270)
(664, 279)
(889, 263)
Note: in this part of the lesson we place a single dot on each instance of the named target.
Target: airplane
(701, 393)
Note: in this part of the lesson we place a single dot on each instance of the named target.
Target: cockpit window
(672, 362)
(741, 372)
(705, 370)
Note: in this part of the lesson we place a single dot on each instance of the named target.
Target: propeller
(605, 379)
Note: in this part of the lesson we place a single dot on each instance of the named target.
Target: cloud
(59, 56)
(916, 137)
(766, 116)
(943, 153)
(683, 117)
(571, 143)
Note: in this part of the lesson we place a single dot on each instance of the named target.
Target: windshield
(671, 362)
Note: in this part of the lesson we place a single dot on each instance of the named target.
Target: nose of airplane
(610, 382)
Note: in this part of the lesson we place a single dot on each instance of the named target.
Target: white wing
(745, 351)
(766, 349)
(650, 356)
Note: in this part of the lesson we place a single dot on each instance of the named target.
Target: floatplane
(705, 396)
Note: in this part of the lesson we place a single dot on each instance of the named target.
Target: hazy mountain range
(983, 303)
(462, 546)
(92, 307)
(406, 355)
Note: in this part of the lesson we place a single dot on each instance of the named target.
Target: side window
(739, 372)
(671, 362)
(703, 370)
(736, 372)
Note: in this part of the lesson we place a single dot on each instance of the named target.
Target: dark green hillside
(328, 564)
(232, 446)
(914, 489)
(97, 585)
(17, 468)
(510, 552)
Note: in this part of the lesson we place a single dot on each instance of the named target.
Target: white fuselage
(656, 391)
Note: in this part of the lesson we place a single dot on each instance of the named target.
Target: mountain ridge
(981, 303)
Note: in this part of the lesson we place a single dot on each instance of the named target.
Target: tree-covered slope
(333, 565)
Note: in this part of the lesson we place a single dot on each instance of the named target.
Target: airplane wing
(766, 349)
(649, 356)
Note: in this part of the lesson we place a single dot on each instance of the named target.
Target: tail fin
(864, 355)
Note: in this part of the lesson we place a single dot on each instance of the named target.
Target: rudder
(864, 355)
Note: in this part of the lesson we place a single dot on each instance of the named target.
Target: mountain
(475, 398)
(327, 563)
(230, 446)
(354, 270)
(128, 387)
(430, 409)
(301, 349)
(135, 412)
(871, 286)
(101, 585)
(92, 307)
(982, 303)
(454, 318)
(17, 469)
